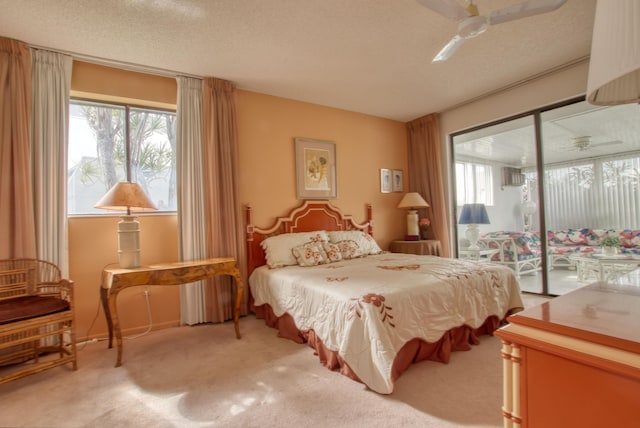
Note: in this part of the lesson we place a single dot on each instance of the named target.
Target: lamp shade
(614, 67)
(126, 196)
(413, 200)
(474, 214)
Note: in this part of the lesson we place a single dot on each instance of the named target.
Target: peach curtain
(425, 175)
(225, 237)
(17, 223)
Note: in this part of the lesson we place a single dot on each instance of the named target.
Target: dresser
(574, 361)
(425, 247)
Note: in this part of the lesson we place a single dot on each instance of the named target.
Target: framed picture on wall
(315, 169)
(386, 185)
(398, 181)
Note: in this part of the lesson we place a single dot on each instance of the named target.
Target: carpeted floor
(203, 376)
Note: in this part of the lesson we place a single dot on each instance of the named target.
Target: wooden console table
(115, 280)
(574, 361)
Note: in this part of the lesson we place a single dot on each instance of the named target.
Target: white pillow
(310, 254)
(278, 248)
(365, 242)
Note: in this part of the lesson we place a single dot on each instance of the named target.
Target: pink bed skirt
(457, 339)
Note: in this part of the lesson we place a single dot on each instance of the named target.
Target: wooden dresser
(575, 361)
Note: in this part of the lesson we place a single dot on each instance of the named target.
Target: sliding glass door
(555, 182)
(496, 174)
(591, 191)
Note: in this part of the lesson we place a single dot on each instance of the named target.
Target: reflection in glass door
(497, 195)
(554, 183)
(591, 191)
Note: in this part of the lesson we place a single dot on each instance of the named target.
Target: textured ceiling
(369, 56)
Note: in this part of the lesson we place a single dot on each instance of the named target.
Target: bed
(319, 277)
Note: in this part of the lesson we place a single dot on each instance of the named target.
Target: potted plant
(610, 245)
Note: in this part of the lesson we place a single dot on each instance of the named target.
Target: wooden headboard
(310, 216)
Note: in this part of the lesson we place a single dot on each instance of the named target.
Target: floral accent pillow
(310, 254)
(350, 249)
(365, 242)
(333, 252)
(278, 248)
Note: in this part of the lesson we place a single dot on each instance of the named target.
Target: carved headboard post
(370, 218)
(249, 232)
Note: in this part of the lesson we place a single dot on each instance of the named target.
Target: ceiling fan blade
(448, 8)
(449, 49)
(524, 10)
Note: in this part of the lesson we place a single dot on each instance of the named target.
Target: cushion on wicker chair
(25, 307)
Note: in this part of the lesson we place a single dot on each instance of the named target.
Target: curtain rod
(129, 66)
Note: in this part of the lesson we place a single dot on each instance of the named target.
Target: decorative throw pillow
(350, 249)
(278, 248)
(310, 254)
(365, 242)
(333, 252)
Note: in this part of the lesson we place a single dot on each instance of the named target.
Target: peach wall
(112, 84)
(364, 144)
(266, 126)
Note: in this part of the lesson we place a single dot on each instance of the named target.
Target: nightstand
(425, 247)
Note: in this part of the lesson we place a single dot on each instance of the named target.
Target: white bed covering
(366, 309)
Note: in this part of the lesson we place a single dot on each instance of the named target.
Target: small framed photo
(386, 185)
(398, 181)
(315, 169)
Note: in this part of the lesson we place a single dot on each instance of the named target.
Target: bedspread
(366, 309)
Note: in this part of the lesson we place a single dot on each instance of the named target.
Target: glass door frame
(538, 139)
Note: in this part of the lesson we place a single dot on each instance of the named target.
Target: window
(100, 155)
(474, 183)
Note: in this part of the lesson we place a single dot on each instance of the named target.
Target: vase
(609, 251)
(423, 233)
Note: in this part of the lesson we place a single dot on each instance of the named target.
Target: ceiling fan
(584, 143)
(472, 24)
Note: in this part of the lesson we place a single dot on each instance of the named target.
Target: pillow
(365, 242)
(310, 254)
(333, 252)
(278, 248)
(350, 249)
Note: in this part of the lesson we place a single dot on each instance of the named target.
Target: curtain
(602, 193)
(425, 174)
(192, 220)
(51, 82)
(224, 213)
(17, 224)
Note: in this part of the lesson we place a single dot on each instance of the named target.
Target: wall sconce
(413, 200)
(127, 196)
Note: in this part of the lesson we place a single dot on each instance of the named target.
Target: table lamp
(413, 200)
(614, 66)
(472, 215)
(127, 196)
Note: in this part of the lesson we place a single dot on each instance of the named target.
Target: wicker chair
(36, 318)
